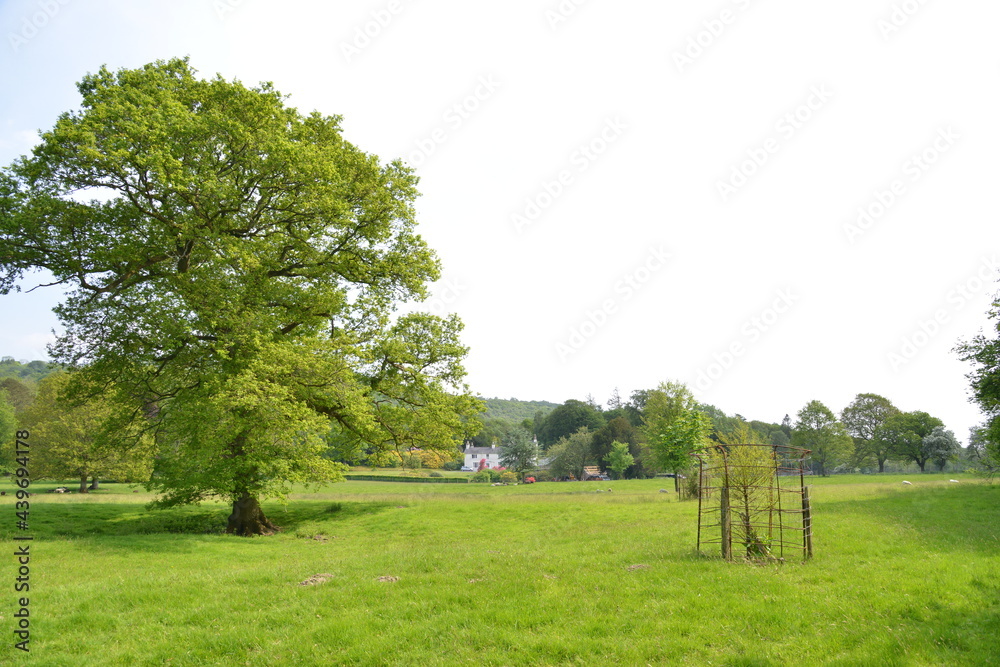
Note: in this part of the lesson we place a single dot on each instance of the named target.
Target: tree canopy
(861, 419)
(983, 352)
(232, 268)
(818, 430)
(905, 435)
(82, 440)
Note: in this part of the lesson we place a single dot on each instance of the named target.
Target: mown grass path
(547, 574)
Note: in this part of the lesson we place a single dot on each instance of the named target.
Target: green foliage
(567, 419)
(862, 418)
(905, 436)
(237, 276)
(622, 430)
(983, 352)
(518, 450)
(747, 471)
(28, 372)
(20, 394)
(83, 440)
(512, 410)
(619, 459)
(818, 430)
(8, 426)
(571, 454)
(941, 446)
(742, 433)
(674, 427)
(508, 477)
(488, 475)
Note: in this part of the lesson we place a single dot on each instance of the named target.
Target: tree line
(656, 431)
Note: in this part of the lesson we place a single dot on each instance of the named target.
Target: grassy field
(545, 574)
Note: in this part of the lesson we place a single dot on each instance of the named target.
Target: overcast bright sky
(774, 201)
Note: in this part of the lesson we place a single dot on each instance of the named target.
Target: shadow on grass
(957, 518)
(84, 520)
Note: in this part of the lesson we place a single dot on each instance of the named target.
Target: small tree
(942, 446)
(619, 459)
(817, 429)
(684, 435)
(571, 454)
(518, 450)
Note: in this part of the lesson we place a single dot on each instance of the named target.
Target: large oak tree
(233, 269)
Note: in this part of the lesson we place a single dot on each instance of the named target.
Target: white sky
(634, 267)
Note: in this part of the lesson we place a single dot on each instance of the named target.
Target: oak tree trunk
(83, 484)
(93, 485)
(248, 518)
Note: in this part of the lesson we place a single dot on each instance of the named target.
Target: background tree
(983, 352)
(74, 440)
(672, 426)
(571, 454)
(619, 459)
(20, 394)
(8, 426)
(518, 450)
(861, 418)
(941, 446)
(904, 435)
(620, 429)
(982, 453)
(680, 438)
(234, 277)
(818, 430)
(567, 419)
(742, 434)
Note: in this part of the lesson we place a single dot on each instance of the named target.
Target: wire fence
(754, 497)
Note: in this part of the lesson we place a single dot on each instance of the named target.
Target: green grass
(542, 574)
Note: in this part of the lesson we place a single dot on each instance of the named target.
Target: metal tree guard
(756, 493)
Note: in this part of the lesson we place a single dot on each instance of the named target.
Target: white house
(475, 455)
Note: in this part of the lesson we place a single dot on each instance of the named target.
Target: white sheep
(905, 482)
(953, 480)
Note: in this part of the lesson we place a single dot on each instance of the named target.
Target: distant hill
(513, 410)
(27, 371)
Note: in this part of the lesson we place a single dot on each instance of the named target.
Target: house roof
(482, 450)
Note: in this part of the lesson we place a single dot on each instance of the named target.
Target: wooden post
(725, 521)
(677, 486)
(807, 538)
(701, 491)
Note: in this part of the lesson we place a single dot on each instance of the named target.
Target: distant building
(475, 455)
